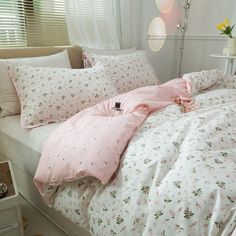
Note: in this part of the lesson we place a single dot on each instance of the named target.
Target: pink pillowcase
(55, 94)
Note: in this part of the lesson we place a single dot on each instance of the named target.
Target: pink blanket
(91, 142)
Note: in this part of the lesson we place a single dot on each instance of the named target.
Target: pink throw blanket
(91, 142)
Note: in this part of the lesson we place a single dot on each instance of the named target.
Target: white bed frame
(24, 180)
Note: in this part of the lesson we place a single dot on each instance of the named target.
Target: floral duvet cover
(176, 177)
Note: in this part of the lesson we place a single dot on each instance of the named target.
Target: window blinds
(32, 23)
(12, 24)
(45, 22)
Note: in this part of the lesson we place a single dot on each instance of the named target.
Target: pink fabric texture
(91, 142)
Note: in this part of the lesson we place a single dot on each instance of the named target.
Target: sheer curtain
(103, 24)
(127, 13)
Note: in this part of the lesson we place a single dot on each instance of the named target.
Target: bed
(176, 177)
(23, 147)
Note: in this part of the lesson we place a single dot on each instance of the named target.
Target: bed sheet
(23, 146)
(177, 176)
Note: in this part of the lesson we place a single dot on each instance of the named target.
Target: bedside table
(229, 62)
(10, 211)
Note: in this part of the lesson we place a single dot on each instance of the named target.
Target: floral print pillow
(128, 71)
(55, 94)
(202, 80)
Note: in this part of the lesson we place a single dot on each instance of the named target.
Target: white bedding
(22, 146)
(177, 176)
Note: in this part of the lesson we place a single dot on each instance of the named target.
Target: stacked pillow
(9, 102)
(89, 52)
(46, 89)
(55, 94)
(128, 71)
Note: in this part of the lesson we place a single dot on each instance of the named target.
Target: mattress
(23, 146)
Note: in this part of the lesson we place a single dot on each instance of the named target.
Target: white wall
(202, 38)
(164, 60)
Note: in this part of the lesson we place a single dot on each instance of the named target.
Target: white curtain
(128, 22)
(103, 24)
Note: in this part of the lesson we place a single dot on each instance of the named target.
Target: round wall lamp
(165, 6)
(156, 34)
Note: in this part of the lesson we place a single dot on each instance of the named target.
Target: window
(32, 23)
(12, 24)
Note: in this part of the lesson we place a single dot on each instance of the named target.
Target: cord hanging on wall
(183, 29)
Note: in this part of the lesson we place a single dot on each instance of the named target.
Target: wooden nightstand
(10, 211)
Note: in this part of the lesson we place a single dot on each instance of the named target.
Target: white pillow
(108, 52)
(128, 71)
(202, 80)
(55, 94)
(9, 102)
(88, 52)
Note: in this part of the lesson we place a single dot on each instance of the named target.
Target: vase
(230, 50)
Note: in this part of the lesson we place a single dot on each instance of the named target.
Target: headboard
(75, 53)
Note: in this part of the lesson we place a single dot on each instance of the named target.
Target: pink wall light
(156, 34)
(165, 6)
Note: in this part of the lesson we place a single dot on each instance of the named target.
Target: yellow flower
(218, 26)
(221, 26)
(226, 22)
(225, 28)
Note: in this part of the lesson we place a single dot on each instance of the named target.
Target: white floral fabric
(128, 71)
(9, 101)
(55, 94)
(176, 177)
(203, 79)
